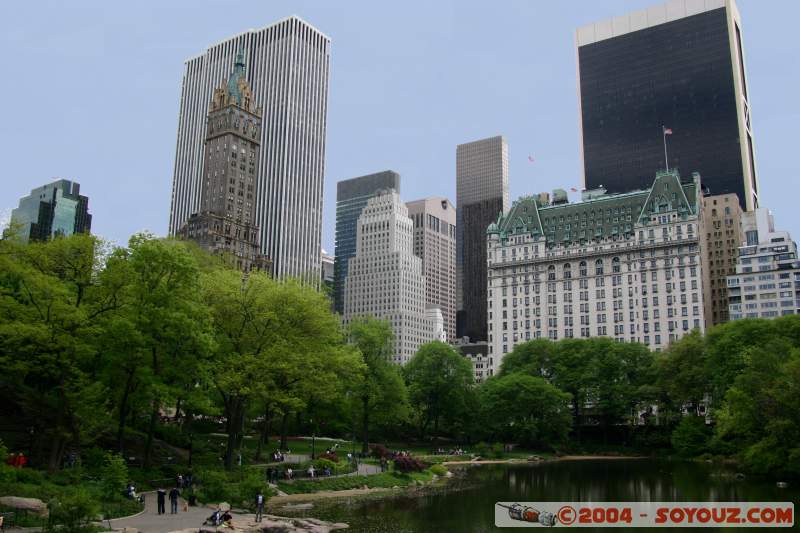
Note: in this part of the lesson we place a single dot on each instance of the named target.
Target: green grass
(384, 480)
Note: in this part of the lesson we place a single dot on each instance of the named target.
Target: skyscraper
(384, 277)
(435, 243)
(352, 196)
(481, 196)
(767, 270)
(720, 244)
(678, 65)
(226, 220)
(287, 68)
(54, 209)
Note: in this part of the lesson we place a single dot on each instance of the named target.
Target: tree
(682, 374)
(52, 295)
(439, 381)
(379, 386)
(171, 323)
(275, 341)
(525, 409)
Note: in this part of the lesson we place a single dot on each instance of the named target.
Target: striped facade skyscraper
(287, 68)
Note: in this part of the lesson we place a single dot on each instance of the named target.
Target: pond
(467, 502)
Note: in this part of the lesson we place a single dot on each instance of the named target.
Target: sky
(91, 93)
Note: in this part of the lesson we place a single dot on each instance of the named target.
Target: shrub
(379, 451)
(74, 512)
(407, 464)
(322, 463)
(212, 486)
(114, 475)
(439, 470)
(330, 456)
(489, 450)
(3, 452)
(691, 436)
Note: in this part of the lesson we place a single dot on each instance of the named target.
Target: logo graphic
(523, 513)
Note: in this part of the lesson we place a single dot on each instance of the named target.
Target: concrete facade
(481, 195)
(351, 197)
(767, 279)
(384, 277)
(721, 241)
(626, 266)
(435, 243)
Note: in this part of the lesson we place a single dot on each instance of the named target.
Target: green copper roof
(609, 215)
(238, 73)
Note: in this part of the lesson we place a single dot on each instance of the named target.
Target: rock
(449, 474)
(739, 476)
(534, 458)
(34, 505)
(127, 530)
(782, 485)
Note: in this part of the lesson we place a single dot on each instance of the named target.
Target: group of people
(451, 451)
(17, 460)
(174, 496)
(278, 457)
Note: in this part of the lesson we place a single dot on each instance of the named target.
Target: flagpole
(664, 134)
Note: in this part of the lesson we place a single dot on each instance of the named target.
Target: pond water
(466, 504)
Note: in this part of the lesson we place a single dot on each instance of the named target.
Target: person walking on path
(259, 506)
(174, 494)
(162, 500)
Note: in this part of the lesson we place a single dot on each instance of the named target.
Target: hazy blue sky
(90, 92)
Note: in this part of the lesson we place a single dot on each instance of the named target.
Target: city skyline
(536, 109)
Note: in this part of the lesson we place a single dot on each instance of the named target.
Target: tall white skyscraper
(384, 278)
(287, 66)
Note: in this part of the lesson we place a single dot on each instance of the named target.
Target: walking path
(151, 522)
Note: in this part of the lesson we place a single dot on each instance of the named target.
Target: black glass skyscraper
(678, 65)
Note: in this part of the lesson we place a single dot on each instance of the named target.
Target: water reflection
(467, 504)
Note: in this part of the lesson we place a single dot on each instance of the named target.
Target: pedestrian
(174, 494)
(311, 471)
(288, 473)
(162, 500)
(259, 506)
(179, 481)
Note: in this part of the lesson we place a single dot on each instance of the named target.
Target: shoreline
(280, 501)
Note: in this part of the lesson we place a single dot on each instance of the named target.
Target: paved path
(151, 522)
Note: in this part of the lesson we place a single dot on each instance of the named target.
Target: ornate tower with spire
(226, 221)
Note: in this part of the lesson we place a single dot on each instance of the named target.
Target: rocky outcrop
(274, 524)
(33, 505)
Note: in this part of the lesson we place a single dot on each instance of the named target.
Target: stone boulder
(33, 505)
(274, 524)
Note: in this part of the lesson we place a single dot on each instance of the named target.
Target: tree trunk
(365, 426)
(264, 437)
(177, 409)
(123, 412)
(284, 424)
(56, 452)
(151, 430)
(576, 415)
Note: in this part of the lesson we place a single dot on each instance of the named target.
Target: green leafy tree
(525, 409)
(691, 436)
(52, 296)
(439, 383)
(682, 374)
(114, 475)
(378, 388)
